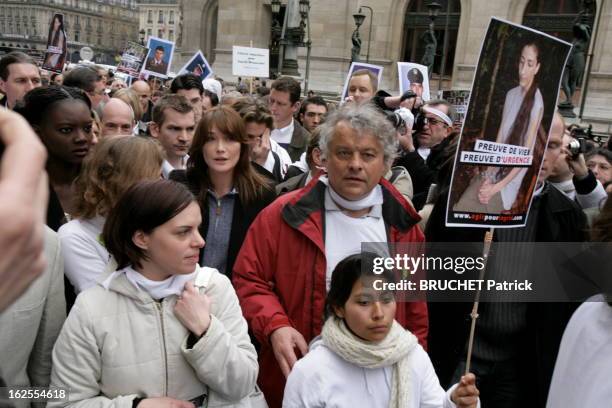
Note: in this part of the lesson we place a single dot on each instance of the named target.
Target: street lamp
(275, 5)
(141, 34)
(359, 18)
(370, 29)
(429, 38)
(434, 8)
(355, 38)
(305, 15)
(304, 8)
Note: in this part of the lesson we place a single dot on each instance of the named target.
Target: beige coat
(120, 344)
(29, 327)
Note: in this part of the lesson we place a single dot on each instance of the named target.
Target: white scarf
(375, 197)
(174, 285)
(394, 351)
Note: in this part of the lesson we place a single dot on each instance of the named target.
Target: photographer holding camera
(571, 175)
(424, 145)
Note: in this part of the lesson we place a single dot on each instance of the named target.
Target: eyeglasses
(434, 122)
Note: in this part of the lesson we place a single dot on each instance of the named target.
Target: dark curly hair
(37, 103)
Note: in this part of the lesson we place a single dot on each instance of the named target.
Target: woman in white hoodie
(148, 335)
(364, 358)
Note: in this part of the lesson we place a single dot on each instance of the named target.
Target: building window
(159, 33)
(150, 17)
(416, 24)
(149, 32)
(555, 18)
(171, 35)
(76, 36)
(160, 18)
(171, 18)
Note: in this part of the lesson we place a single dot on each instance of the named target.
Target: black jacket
(559, 220)
(423, 172)
(299, 141)
(242, 218)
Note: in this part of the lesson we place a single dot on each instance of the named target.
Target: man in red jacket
(283, 270)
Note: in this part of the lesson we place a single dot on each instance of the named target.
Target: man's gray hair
(365, 119)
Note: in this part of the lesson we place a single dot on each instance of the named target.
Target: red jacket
(279, 274)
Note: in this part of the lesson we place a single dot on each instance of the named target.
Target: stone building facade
(216, 25)
(103, 25)
(160, 18)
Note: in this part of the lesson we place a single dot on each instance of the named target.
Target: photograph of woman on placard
(56, 45)
(497, 188)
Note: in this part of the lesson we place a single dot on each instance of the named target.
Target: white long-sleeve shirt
(323, 379)
(582, 372)
(85, 258)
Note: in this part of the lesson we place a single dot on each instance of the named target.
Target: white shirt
(324, 379)
(584, 363)
(283, 135)
(344, 235)
(512, 105)
(424, 152)
(285, 159)
(85, 257)
(167, 167)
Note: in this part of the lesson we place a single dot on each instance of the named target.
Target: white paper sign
(251, 62)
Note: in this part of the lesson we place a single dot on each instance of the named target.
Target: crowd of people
(185, 243)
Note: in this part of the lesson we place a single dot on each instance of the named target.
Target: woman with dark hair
(57, 44)
(364, 358)
(497, 188)
(230, 192)
(107, 173)
(61, 116)
(159, 331)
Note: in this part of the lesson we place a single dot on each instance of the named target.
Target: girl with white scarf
(364, 357)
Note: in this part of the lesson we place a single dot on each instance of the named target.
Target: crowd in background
(203, 248)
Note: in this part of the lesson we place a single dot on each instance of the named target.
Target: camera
(401, 119)
(419, 121)
(581, 137)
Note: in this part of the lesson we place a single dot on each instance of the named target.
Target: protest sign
(504, 137)
(132, 59)
(197, 65)
(459, 100)
(414, 77)
(57, 45)
(251, 62)
(159, 58)
(377, 70)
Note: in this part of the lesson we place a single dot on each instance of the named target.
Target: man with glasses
(90, 81)
(423, 152)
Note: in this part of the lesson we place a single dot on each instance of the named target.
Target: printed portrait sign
(132, 59)
(377, 70)
(57, 45)
(504, 137)
(414, 77)
(159, 58)
(197, 65)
